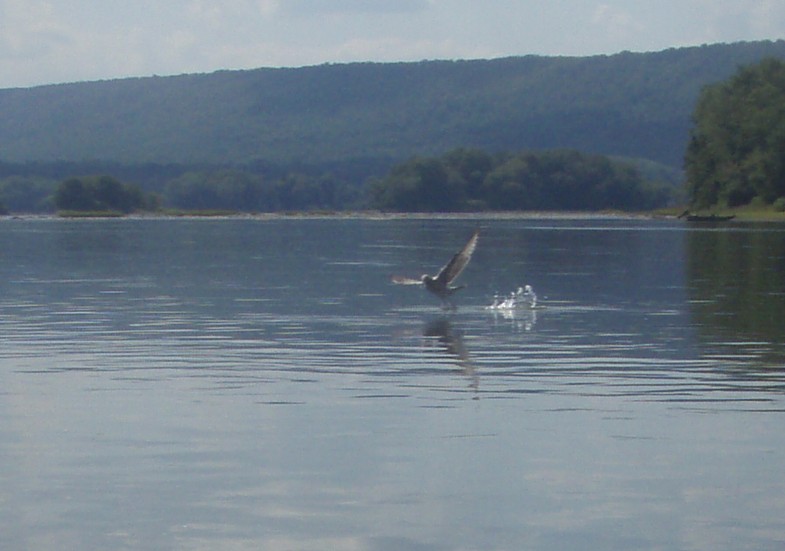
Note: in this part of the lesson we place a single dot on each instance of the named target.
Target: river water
(255, 383)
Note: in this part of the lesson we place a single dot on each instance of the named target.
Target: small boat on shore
(706, 217)
(709, 218)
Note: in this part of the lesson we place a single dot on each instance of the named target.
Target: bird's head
(425, 277)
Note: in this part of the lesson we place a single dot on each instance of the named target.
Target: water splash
(524, 297)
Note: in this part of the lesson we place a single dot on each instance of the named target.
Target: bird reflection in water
(453, 345)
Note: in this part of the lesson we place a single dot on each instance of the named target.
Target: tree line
(196, 190)
(460, 180)
(235, 190)
(475, 180)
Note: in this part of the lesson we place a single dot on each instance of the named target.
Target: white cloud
(768, 17)
(221, 12)
(267, 7)
(615, 23)
(203, 10)
(28, 28)
(731, 20)
(315, 7)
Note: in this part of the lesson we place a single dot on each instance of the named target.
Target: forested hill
(629, 104)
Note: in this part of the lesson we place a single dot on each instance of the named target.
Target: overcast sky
(53, 41)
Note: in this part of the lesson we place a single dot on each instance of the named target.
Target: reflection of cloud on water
(452, 343)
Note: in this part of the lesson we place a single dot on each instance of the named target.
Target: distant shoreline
(742, 215)
(360, 215)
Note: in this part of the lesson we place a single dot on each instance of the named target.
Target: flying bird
(441, 284)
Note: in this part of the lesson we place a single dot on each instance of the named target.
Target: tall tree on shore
(735, 153)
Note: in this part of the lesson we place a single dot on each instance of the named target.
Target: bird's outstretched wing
(403, 280)
(458, 262)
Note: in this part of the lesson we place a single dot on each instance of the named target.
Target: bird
(441, 284)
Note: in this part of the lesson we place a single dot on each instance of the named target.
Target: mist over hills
(635, 105)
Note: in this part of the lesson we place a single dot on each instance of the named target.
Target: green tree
(546, 180)
(736, 145)
(511, 185)
(247, 192)
(111, 194)
(27, 193)
(421, 184)
(73, 194)
(98, 193)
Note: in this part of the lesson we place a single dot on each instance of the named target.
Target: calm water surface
(259, 384)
